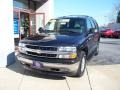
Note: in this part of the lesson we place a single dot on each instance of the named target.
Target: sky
(98, 9)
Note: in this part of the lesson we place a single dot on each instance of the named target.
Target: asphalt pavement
(109, 52)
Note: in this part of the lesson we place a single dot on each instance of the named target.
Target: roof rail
(74, 16)
(78, 15)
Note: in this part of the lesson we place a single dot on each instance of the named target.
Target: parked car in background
(116, 29)
(116, 33)
(107, 32)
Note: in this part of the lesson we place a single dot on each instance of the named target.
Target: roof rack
(75, 16)
(78, 15)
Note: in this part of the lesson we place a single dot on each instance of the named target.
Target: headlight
(21, 45)
(72, 54)
(22, 48)
(67, 49)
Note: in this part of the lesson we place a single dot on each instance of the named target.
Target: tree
(114, 14)
(117, 7)
(117, 10)
(118, 17)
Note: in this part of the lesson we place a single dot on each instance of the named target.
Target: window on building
(21, 4)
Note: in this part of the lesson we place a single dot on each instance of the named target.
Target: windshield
(50, 25)
(74, 25)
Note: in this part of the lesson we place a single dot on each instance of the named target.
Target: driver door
(90, 37)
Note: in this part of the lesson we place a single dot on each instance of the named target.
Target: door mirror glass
(93, 30)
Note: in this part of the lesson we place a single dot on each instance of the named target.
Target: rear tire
(82, 65)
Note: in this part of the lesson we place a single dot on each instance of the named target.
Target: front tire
(82, 65)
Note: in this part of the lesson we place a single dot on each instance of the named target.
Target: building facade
(29, 15)
(19, 19)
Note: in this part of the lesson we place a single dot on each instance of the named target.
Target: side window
(89, 25)
(96, 25)
(93, 24)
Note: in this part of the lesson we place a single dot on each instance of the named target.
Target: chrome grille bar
(46, 52)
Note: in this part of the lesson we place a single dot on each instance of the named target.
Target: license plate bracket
(37, 64)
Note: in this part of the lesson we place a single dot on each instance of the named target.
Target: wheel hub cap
(83, 64)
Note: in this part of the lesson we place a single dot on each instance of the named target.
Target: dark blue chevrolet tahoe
(62, 47)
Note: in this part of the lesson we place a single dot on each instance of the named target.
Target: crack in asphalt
(89, 79)
(67, 84)
(21, 80)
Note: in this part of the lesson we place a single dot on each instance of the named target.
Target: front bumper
(67, 69)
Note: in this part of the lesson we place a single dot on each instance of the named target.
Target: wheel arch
(85, 49)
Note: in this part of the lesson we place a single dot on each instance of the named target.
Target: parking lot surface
(102, 73)
(109, 52)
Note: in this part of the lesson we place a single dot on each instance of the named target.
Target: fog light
(73, 55)
(70, 56)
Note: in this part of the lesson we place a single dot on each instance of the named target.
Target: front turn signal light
(73, 55)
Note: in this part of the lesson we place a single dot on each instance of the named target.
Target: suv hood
(53, 40)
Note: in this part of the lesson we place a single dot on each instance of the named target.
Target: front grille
(41, 54)
(46, 48)
(32, 51)
(32, 47)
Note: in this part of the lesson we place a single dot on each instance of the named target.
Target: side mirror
(41, 30)
(93, 30)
